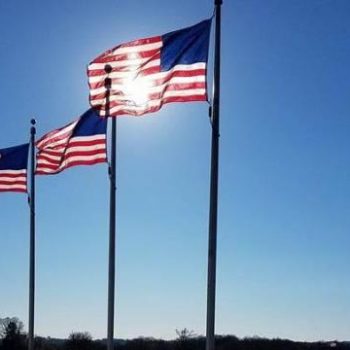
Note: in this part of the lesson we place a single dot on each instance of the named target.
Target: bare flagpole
(32, 238)
(214, 175)
(112, 217)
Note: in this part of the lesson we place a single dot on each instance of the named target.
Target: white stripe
(76, 138)
(11, 187)
(175, 80)
(183, 92)
(85, 148)
(149, 104)
(131, 72)
(84, 158)
(122, 63)
(44, 161)
(69, 160)
(137, 48)
(52, 145)
(52, 159)
(43, 153)
(88, 138)
(13, 179)
(19, 172)
(61, 153)
(56, 134)
(188, 92)
(159, 75)
(179, 68)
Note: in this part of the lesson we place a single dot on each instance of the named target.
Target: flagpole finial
(32, 129)
(108, 68)
(108, 80)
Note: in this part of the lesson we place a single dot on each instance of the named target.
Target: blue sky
(283, 232)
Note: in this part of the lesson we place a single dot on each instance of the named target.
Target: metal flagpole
(112, 217)
(211, 282)
(32, 239)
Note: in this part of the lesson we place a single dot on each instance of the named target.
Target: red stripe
(66, 157)
(167, 87)
(152, 54)
(19, 182)
(85, 162)
(73, 142)
(160, 81)
(104, 57)
(84, 153)
(141, 73)
(44, 142)
(132, 68)
(56, 164)
(52, 152)
(50, 134)
(90, 162)
(49, 161)
(143, 41)
(152, 109)
(49, 166)
(190, 98)
(12, 175)
(44, 154)
(14, 190)
(157, 107)
(158, 95)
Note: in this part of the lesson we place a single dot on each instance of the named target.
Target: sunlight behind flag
(150, 72)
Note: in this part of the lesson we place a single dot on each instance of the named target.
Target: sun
(137, 90)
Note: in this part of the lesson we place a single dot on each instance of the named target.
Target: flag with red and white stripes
(13, 168)
(82, 142)
(147, 73)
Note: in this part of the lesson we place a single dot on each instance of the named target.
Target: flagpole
(214, 175)
(32, 239)
(112, 217)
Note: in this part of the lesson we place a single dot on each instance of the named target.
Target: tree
(79, 341)
(11, 332)
(184, 334)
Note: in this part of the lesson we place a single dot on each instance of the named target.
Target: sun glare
(137, 90)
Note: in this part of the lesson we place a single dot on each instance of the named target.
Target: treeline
(12, 337)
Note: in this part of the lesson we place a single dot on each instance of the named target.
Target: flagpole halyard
(32, 239)
(112, 217)
(214, 175)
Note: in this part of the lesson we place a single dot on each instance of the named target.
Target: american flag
(150, 72)
(82, 142)
(13, 168)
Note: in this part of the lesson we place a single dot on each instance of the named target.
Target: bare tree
(79, 341)
(11, 332)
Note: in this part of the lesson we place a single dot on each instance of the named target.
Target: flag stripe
(13, 168)
(178, 70)
(13, 188)
(75, 150)
(82, 142)
(150, 72)
(175, 82)
(9, 179)
(69, 162)
(13, 172)
(151, 107)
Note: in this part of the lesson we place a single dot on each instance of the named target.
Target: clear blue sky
(284, 215)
